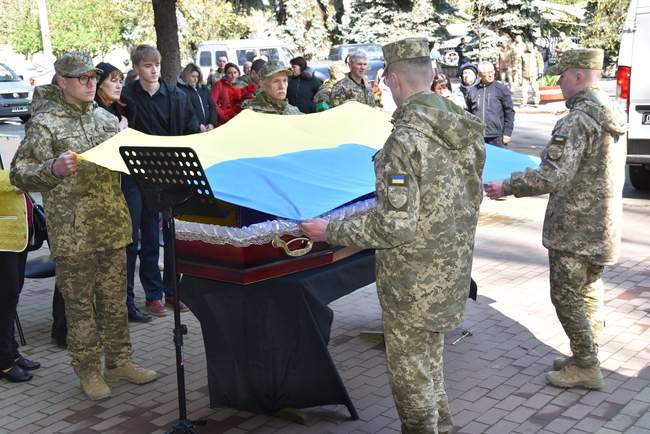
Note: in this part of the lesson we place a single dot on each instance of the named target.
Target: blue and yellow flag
(294, 167)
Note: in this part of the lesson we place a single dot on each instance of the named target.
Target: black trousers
(12, 277)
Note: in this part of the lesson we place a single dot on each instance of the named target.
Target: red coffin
(254, 263)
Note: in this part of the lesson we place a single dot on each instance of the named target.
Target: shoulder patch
(399, 179)
(558, 139)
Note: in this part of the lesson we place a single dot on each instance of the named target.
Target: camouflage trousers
(577, 293)
(416, 378)
(102, 328)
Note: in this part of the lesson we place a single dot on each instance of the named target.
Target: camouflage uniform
(87, 218)
(518, 50)
(583, 169)
(262, 103)
(428, 187)
(506, 63)
(214, 77)
(349, 90)
(532, 66)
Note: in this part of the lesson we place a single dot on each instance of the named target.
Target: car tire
(640, 177)
(24, 118)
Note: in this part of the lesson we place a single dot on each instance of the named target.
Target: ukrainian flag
(295, 167)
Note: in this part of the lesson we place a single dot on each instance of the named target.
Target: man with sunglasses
(88, 221)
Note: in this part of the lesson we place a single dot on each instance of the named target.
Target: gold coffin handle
(284, 245)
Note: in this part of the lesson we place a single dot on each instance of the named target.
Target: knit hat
(106, 68)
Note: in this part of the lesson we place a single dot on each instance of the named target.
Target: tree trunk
(164, 15)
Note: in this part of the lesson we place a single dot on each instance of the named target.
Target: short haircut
(257, 65)
(300, 61)
(230, 65)
(357, 55)
(190, 68)
(485, 66)
(144, 53)
(415, 71)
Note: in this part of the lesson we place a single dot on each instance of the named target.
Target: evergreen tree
(508, 17)
(382, 21)
(303, 25)
(605, 19)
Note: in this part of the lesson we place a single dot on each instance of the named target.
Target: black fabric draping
(266, 343)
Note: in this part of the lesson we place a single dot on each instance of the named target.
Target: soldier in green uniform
(429, 189)
(583, 169)
(274, 80)
(354, 87)
(87, 218)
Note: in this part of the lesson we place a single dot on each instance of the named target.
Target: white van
(633, 90)
(239, 51)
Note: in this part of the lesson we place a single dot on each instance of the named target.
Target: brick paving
(495, 378)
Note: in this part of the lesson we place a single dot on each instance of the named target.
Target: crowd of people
(429, 190)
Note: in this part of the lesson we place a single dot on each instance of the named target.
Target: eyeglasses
(84, 79)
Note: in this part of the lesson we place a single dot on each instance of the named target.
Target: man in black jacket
(491, 101)
(152, 107)
(302, 86)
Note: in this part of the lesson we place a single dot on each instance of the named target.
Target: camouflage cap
(273, 67)
(581, 58)
(74, 64)
(405, 49)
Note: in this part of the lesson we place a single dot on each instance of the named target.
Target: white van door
(639, 112)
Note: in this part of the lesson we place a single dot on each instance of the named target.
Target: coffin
(247, 246)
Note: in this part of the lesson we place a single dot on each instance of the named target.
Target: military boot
(94, 386)
(574, 376)
(561, 362)
(130, 372)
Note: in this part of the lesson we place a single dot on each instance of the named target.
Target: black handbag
(39, 227)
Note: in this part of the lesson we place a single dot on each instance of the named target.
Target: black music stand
(173, 182)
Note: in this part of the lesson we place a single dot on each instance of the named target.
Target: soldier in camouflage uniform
(583, 169)
(322, 97)
(518, 49)
(428, 187)
(87, 218)
(273, 97)
(354, 87)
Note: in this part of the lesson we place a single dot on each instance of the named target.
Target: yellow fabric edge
(252, 135)
(13, 233)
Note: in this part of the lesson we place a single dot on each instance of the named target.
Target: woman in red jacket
(227, 97)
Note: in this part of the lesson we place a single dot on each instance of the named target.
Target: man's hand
(65, 165)
(494, 189)
(315, 229)
(506, 140)
(205, 128)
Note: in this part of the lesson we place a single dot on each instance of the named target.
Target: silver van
(239, 51)
(633, 90)
(15, 95)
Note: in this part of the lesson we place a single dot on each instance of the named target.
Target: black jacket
(167, 113)
(493, 105)
(301, 91)
(204, 108)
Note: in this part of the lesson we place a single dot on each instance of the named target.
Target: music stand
(173, 182)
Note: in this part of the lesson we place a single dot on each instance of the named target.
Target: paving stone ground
(495, 378)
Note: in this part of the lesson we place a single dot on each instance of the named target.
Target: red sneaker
(170, 302)
(156, 308)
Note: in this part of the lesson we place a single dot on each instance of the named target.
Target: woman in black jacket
(204, 109)
(302, 86)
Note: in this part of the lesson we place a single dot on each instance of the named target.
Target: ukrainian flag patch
(397, 180)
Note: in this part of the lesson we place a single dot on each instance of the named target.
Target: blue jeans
(146, 235)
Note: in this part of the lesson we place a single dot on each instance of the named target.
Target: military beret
(273, 67)
(580, 58)
(405, 49)
(74, 64)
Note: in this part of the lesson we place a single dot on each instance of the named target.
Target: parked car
(239, 51)
(633, 90)
(15, 95)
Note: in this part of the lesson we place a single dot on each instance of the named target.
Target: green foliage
(506, 17)
(303, 25)
(605, 19)
(548, 80)
(74, 25)
(387, 20)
